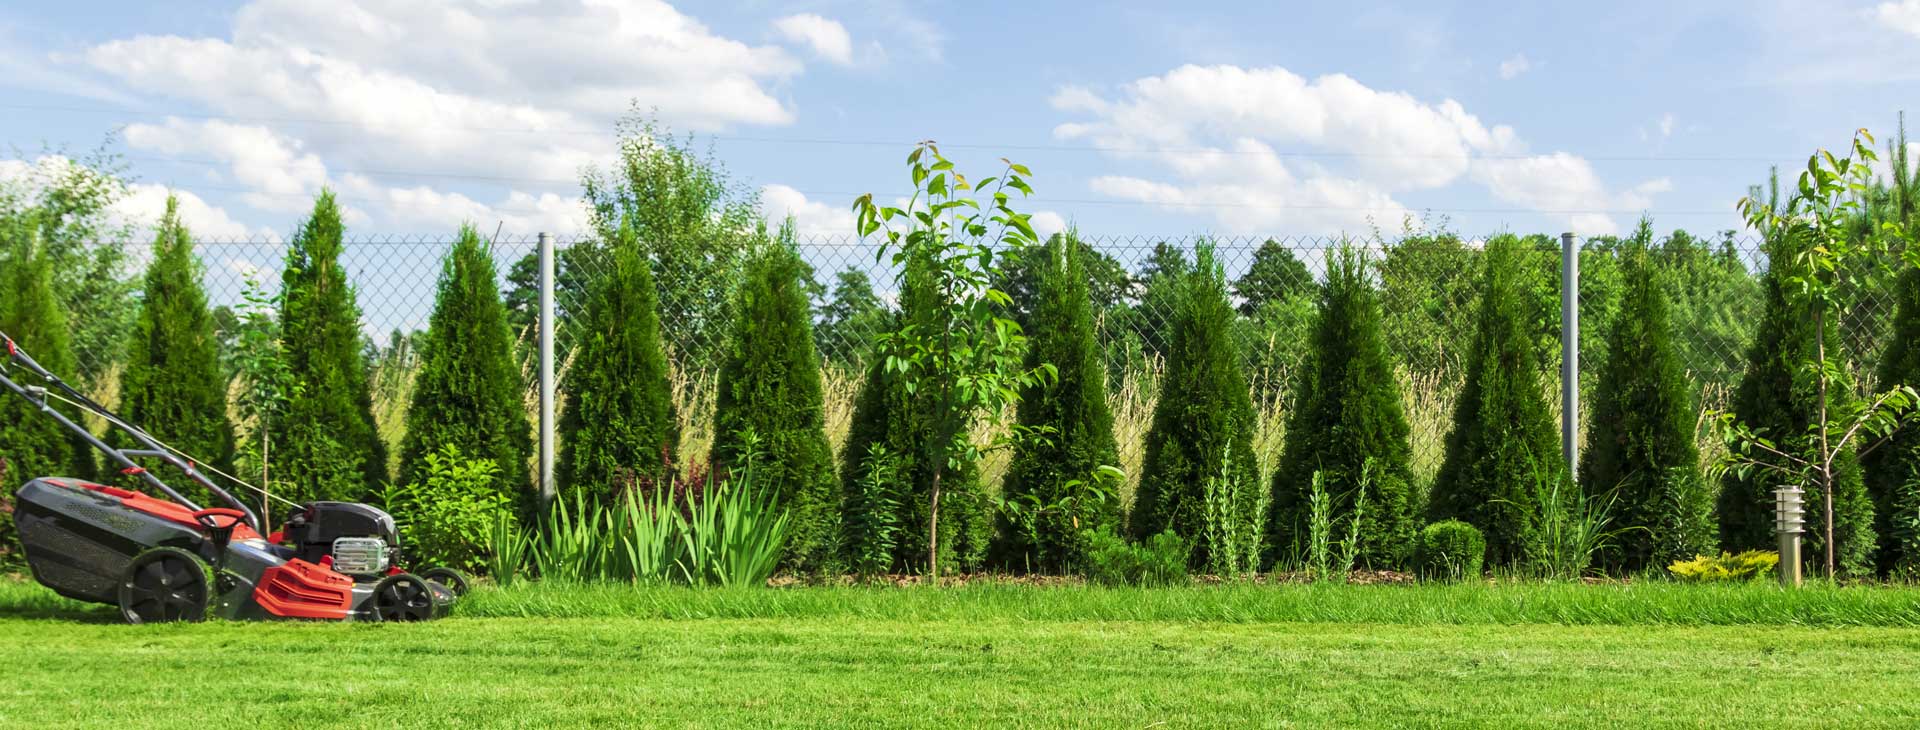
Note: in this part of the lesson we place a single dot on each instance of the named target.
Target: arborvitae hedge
(885, 414)
(32, 444)
(1204, 417)
(1893, 470)
(1778, 395)
(173, 385)
(618, 419)
(468, 392)
(1640, 455)
(1069, 415)
(1346, 411)
(770, 385)
(1504, 448)
(331, 448)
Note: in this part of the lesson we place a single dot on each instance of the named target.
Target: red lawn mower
(172, 560)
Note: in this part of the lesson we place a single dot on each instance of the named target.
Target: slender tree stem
(1826, 456)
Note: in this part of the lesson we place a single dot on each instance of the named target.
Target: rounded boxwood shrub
(1450, 550)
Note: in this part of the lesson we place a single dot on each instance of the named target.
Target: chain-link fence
(1430, 288)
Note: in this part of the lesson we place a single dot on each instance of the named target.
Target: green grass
(987, 656)
(1650, 603)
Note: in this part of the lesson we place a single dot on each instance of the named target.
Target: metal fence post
(547, 441)
(1570, 352)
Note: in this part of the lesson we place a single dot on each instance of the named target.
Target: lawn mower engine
(167, 559)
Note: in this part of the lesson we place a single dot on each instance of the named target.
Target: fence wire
(1430, 287)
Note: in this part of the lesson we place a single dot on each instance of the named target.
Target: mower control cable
(39, 395)
(197, 464)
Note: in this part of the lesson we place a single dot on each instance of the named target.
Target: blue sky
(1138, 118)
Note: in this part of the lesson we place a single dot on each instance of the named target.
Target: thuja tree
(1203, 423)
(331, 448)
(1503, 447)
(466, 390)
(1347, 424)
(1640, 454)
(888, 507)
(618, 418)
(769, 391)
(1893, 472)
(173, 386)
(32, 444)
(958, 356)
(1052, 486)
(1795, 420)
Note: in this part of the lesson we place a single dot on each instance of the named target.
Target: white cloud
(1900, 15)
(826, 37)
(810, 217)
(139, 206)
(424, 209)
(280, 176)
(145, 203)
(1046, 223)
(1399, 141)
(1565, 186)
(1511, 68)
(1666, 124)
(1217, 130)
(487, 88)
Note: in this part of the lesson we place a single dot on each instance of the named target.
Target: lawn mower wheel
(403, 597)
(452, 580)
(165, 584)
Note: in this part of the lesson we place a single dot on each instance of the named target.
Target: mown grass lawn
(986, 665)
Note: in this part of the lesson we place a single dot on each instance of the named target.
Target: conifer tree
(886, 414)
(1203, 424)
(1893, 470)
(1347, 419)
(770, 386)
(1504, 445)
(1071, 426)
(619, 418)
(1640, 456)
(332, 448)
(1776, 396)
(32, 444)
(467, 393)
(173, 386)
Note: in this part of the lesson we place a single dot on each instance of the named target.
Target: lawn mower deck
(171, 560)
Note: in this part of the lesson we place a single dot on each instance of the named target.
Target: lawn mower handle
(121, 457)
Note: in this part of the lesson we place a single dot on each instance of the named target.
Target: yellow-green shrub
(1727, 567)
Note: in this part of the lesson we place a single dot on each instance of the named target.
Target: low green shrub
(12, 558)
(1112, 561)
(1450, 550)
(1726, 567)
(448, 516)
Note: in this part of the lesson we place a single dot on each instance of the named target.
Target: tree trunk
(266, 503)
(933, 527)
(1826, 458)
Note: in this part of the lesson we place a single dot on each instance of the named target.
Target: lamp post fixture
(1789, 520)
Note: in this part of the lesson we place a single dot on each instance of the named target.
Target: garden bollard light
(1789, 518)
